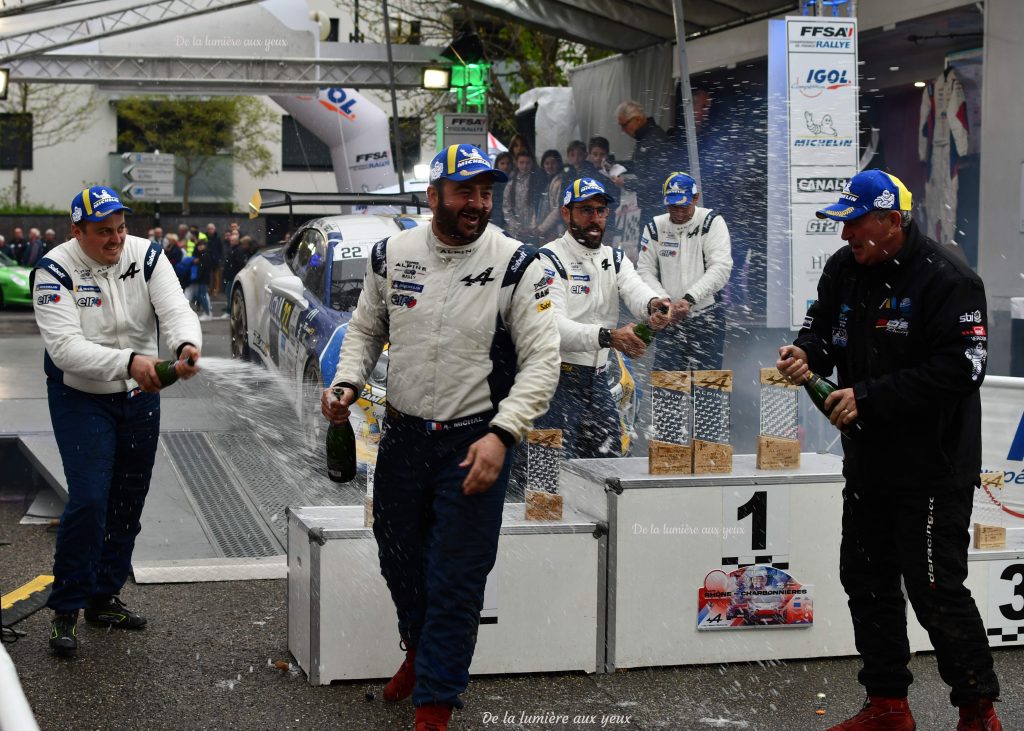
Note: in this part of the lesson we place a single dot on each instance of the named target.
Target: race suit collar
(447, 251)
(579, 250)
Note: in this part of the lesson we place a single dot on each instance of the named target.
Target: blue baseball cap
(95, 204)
(679, 189)
(583, 189)
(462, 162)
(871, 190)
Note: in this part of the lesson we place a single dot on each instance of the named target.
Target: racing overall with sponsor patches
(909, 337)
(473, 348)
(92, 318)
(586, 285)
(693, 258)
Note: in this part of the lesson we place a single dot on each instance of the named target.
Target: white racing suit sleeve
(576, 337)
(717, 249)
(635, 292)
(178, 322)
(64, 340)
(531, 323)
(647, 261)
(368, 328)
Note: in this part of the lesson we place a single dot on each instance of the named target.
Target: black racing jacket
(910, 337)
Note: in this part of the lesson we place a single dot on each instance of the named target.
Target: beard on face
(449, 222)
(590, 235)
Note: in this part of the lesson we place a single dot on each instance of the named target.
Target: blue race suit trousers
(694, 344)
(108, 445)
(436, 545)
(583, 408)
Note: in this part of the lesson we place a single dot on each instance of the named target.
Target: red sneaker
(433, 718)
(880, 714)
(979, 716)
(400, 686)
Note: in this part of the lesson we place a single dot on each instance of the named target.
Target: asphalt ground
(208, 660)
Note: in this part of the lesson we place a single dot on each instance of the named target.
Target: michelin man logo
(76, 214)
(977, 355)
(847, 193)
(567, 198)
(436, 170)
(102, 197)
(886, 200)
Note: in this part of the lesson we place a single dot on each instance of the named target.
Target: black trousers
(923, 539)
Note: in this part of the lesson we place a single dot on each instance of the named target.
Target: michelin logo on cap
(462, 162)
(583, 189)
(95, 204)
(870, 190)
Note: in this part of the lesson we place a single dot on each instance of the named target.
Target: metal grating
(274, 485)
(230, 521)
(671, 415)
(711, 415)
(778, 411)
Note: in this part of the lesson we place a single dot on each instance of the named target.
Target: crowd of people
(27, 251)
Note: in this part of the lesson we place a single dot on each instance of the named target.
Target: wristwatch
(689, 298)
(604, 337)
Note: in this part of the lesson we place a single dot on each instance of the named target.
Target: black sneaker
(112, 611)
(63, 633)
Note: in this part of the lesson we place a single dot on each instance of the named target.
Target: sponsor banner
(814, 241)
(753, 596)
(822, 92)
(1002, 451)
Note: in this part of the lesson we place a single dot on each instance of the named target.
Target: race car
(14, 288)
(290, 308)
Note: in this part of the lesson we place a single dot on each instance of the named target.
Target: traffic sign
(151, 159)
(149, 191)
(146, 174)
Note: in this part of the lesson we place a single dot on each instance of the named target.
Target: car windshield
(6, 261)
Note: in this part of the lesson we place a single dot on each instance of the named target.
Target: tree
(196, 130)
(59, 113)
(528, 58)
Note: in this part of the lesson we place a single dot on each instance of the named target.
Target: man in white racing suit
(586, 280)
(685, 254)
(97, 300)
(473, 360)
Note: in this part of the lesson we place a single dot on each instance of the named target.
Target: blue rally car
(291, 304)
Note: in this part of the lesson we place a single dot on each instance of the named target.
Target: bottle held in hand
(341, 450)
(167, 371)
(644, 331)
(818, 388)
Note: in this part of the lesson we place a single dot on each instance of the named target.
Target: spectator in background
(16, 245)
(517, 145)
(502, 162)
(197, 291)
(652, 158)
(182, 234)
(522, 194)
(33, 250)
(172, 249)
(549, 210)
(248, 247)
(216, 248)
(234, 260)
(3, 245)
(576, 156)
(158, 236)
(49, 240)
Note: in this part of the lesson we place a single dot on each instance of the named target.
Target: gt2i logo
(47, 299)
(971, 316)
(403, 300)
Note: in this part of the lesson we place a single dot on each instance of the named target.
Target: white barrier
(15, 713)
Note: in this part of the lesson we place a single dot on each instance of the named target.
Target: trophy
(712, 452)
(670, 451)
(543, 459)
(777, 444)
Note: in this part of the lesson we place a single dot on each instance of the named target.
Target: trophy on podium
(777, 444)
(543, 459)
(670, 451)
(712, 452)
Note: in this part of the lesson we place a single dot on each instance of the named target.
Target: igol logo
(337, 101)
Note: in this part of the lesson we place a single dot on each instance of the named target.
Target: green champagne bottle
(644, 332)
(341, 450)
(818, 388)
(167, 371)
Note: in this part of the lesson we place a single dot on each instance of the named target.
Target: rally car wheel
(239, 327)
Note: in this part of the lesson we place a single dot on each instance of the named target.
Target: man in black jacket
(903, 323)
(653, 158)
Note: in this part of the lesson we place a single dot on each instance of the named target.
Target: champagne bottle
(644, 331)
(167, 371)
(818, 388)
(341, 450)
